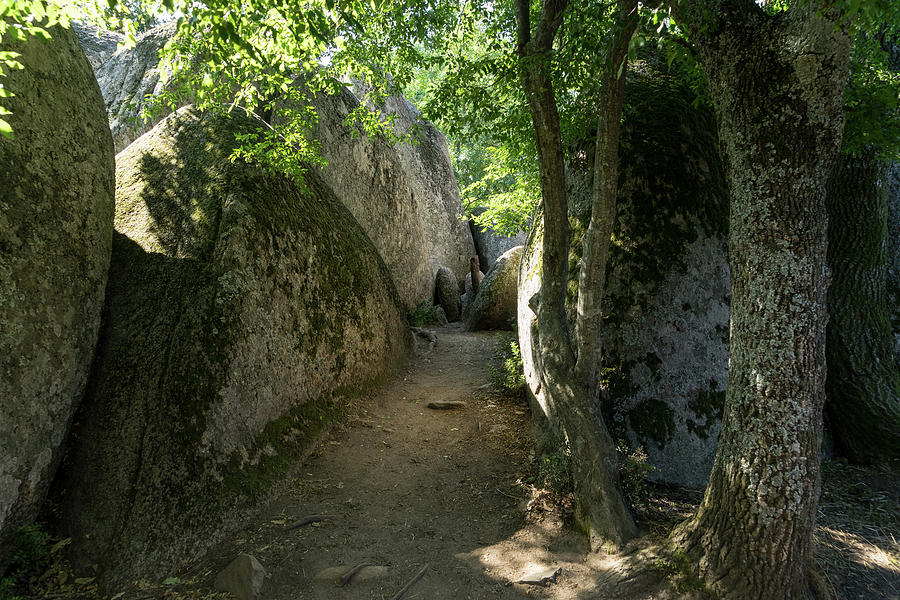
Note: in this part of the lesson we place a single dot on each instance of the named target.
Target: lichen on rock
(240, 311)
(495, 302)
(666, 306)
(56, 213)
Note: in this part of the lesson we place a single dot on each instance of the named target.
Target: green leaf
(171, 581)
(6, 129)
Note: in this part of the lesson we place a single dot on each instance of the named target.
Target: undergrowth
(31, 555)
(510, 377)
(423, 314)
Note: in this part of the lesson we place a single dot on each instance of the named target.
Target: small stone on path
(243, 578)
(541, 576)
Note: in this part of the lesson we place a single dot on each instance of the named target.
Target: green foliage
(510, 377)
(634, 467)
(423, 314)
(31, 554)
(555, 472)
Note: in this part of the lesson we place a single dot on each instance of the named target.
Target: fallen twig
(307, 521)
(352, 573)
(411, 583)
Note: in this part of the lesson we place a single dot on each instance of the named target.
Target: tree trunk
(863, 383)
(601, 507)
(592, 275)
(777, 84)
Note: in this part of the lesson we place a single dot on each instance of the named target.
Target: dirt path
(405, 486)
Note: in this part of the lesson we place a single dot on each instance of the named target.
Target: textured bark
(592, 276)
(777, 85)
(601, 506)
(863, 382)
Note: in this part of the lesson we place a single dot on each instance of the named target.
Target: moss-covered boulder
(240, 311)
(56, 213)
(426, 163)
(666, 315)
(446, 293)
(494, 305)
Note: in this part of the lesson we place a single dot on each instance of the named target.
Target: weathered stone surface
(446, 293)
(369, 179)
(494, 306)
(405, 197)
(490, 245)
(56, 213)
(239, 311)
(98, 44)
(243, 578)
(126, 78)
(667, 319)
(430, 172)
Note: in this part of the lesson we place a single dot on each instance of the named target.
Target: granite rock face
(369, 179)
(98, 44)
(126, 78)
(494, 305)
(240, 310)
(56, 226)
(428, 167)
(490, 245)
(667, 301)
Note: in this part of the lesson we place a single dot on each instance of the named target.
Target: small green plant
(555, 472)
(511, 376)
(31, 554)
(634, 467)
(423, 314)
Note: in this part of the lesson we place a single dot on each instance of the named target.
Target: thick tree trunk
(777, 85)
(863, 382)
(601, 507)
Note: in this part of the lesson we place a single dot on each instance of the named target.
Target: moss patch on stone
(709, 406)
(653, 420)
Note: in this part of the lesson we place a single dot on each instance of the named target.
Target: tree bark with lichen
(777, 83)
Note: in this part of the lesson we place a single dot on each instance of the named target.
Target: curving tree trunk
(777, 84)
(569, 381)
(863, 382)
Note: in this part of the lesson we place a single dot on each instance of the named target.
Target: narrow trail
(406, 486)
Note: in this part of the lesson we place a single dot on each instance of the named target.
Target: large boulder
(240, 311)
(56, 214)
(369, 179)
(98, 44)
(446, 293)
(427, 165)
(127, 78)
(666, 309)
(489, 244)
(494, 305)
